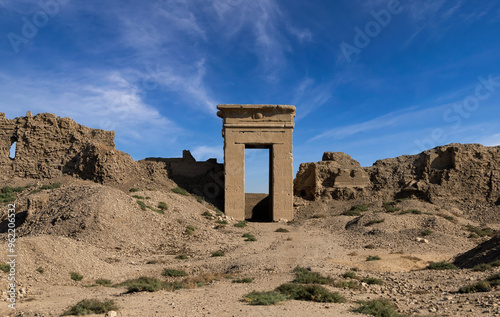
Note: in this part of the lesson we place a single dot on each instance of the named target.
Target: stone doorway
(258, 126)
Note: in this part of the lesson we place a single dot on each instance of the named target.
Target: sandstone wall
(468, 174)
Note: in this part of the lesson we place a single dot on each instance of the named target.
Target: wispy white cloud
(310, 96)
(203, 152)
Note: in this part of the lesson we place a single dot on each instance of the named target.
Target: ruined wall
(468, 174)
(48, 146)
(205, 179)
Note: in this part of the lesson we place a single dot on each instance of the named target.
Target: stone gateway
(258, 127)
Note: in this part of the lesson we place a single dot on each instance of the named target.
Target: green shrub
(360, 207)
(373, 281)
(103, 282)
(7, 197)
(427, 232)
(190, 230)
(389, 206)
(138, 197)
(133, 190)
(40, 270)
(352, 284)
(141, 204)
(303, 276)
(449, 218)
(249, 237)
(148, 284)
(373, 258)
(218, 212)
(181, 257)
(315, 293)
(480, 232)
(199, 199)
(495, 263)
(241, 224)
(411, 211)
(244, 280)
(480, 286)
(378, 308)
(372, 222)
(441, 266)
(494, 280)
(222, 222)
(352, 213)
(4, 267)
(264, 298)
(173, 273)
(482, 267)
(155, 210)
(370, 246)
(51, 186)
(162, 206)
(180, 191)
(91, 306)
(217, 253)
(281, 230)
(75, 276)
(349, 274)
(208, 215)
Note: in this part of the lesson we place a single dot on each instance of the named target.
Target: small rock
(111, 313)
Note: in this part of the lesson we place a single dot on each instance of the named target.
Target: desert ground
(101, 232)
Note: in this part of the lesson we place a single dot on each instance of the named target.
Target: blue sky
(374, 79)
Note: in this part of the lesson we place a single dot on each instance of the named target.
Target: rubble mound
(466, 176)
(486, 252)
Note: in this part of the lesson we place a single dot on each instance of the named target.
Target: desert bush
(477, 287)
(103, 282)
(217, 253)
(441, 266)
(199, 199)
(495, 263)
(138, 197)
(482, 267)
(4, 267)
(6, 198)
(427, 232)
(40, 270)
(91, 306)
(51, 186)
(218, 212)
(360, 207)
(181, 257)
(75, 276)
(370, 246)
(162, 206)
(373, 281)
(148, 284)
(349, 274)
(180, 191)
(372, 222)
(190, 230)
(494, 280)
(373, 258)
(378, 308)
(352, 284)
(173, 273)
(155, 210)
(304, 276)
(449, 218)
(249, 237)
(141, 204)
(241, 224)
(133, 190)
(389, 206)
(208, 215)
(411, 211)
(222, 222)
(281, 230)
(315, 293)
(264, 298)
(480, 232)
(244, 280)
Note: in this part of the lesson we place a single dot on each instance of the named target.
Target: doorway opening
(258, 182)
